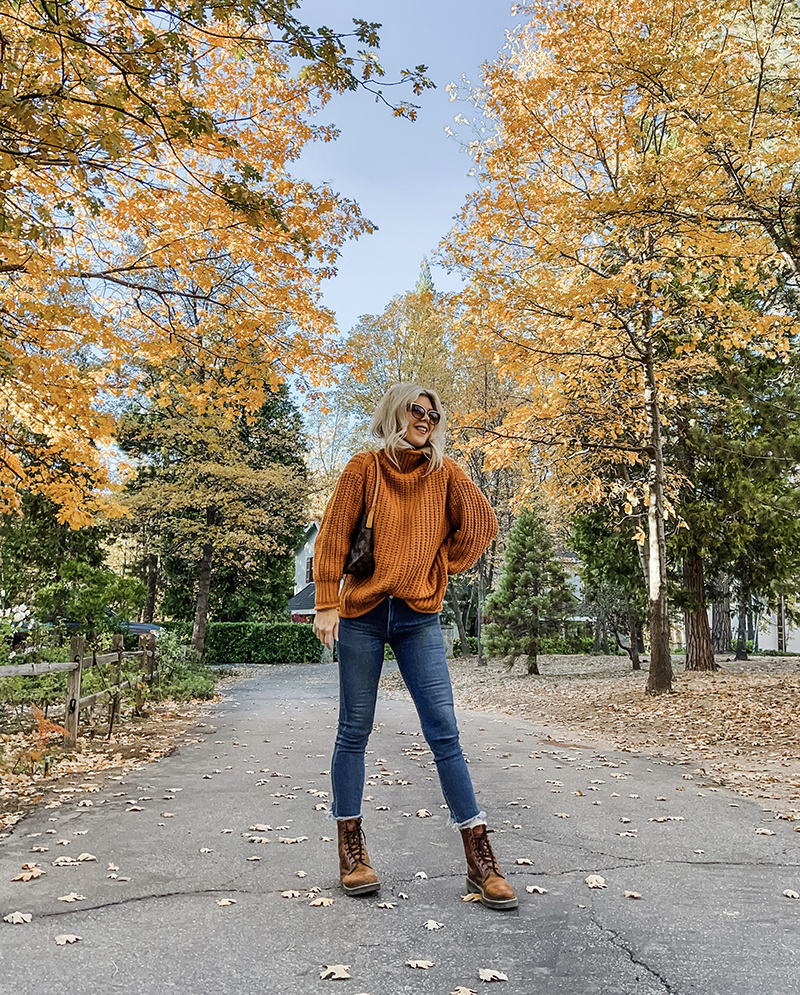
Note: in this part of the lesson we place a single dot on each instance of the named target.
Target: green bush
(573, 646)
(260, 642)
(473, 646)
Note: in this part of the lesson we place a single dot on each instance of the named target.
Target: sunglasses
(418, 411)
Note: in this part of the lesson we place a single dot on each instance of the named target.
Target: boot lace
(354, 843)
(483, 849)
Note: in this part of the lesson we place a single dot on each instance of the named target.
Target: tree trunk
(741, 634)
(721, 634)
(660, 675)
(604, 637)
(633, 630)
(533, 664)
(203, 590)
(699, 650)
(479, 613)
(152, 587)
(598, 628)
(462, 630)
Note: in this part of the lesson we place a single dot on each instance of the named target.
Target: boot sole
(491, 903)
(362, 889)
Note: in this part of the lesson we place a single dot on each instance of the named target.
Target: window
(309, 569)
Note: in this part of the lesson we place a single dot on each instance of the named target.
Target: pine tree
(533, 596)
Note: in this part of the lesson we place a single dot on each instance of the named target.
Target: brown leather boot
(358, 877)
(484, 876)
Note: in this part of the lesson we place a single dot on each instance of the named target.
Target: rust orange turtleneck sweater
(426, 527)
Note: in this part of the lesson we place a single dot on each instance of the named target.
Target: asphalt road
(712, 918)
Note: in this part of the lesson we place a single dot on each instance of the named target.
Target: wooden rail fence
(80, 661)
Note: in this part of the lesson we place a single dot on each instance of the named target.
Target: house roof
(310, 530)
(303, 601)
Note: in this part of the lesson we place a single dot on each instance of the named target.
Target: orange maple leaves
(150, 219)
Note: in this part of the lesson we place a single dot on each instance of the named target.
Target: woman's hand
(326, 626)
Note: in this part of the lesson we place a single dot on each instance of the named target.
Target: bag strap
(371, 514)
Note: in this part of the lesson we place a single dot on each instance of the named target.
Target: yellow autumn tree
(146, 163)
(639, 156)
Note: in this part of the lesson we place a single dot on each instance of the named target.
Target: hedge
(261, 642)
(473, 645)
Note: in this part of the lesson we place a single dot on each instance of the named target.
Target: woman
(430, 521)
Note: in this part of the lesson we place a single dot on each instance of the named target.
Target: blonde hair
(389, 422)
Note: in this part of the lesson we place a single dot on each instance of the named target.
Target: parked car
(136, 628)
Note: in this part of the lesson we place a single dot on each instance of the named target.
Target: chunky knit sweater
(426, 527)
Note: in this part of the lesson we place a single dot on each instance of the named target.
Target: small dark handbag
(360, 560)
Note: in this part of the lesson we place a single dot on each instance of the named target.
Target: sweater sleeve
(474, 523)
(335, 532)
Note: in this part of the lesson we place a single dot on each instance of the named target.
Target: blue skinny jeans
(416, 639)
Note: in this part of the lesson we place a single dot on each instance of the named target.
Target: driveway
(184, 894)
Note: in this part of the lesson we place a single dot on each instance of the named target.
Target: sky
(409, 178)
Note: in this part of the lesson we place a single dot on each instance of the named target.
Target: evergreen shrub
(260, 642)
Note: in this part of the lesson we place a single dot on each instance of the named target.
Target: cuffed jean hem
(341, 818)
(476, 820)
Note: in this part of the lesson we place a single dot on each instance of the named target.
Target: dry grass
(741, 724)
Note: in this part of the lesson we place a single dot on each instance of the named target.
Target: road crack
(616, 940)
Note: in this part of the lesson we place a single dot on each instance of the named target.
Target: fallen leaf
(524, 860)
(261, 828)
(205, 849)
(30, 872)
(17, 918)
(63, 842)
(631, 894)
(301, 874)
(326, 839)
(222, 902)
(433, 924)
(290, 839)
(386, 905)
(421, 875)
(39, 849)
(335, 972)
(463, 991)
(420, 965)
(761, 831)
(167, 815)
(487, 974)
(290, 893)
(534, 889)
(472, 897)
(790, 894)
(423, 813)
(85, 857)
(596, 881)
(254, 858)
(321, 902)
(73, 896)
(64, 862)
(65, 938)
(562, 815)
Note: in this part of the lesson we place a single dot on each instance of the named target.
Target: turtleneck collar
(408, 457)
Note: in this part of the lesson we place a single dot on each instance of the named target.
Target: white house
(301, 605)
